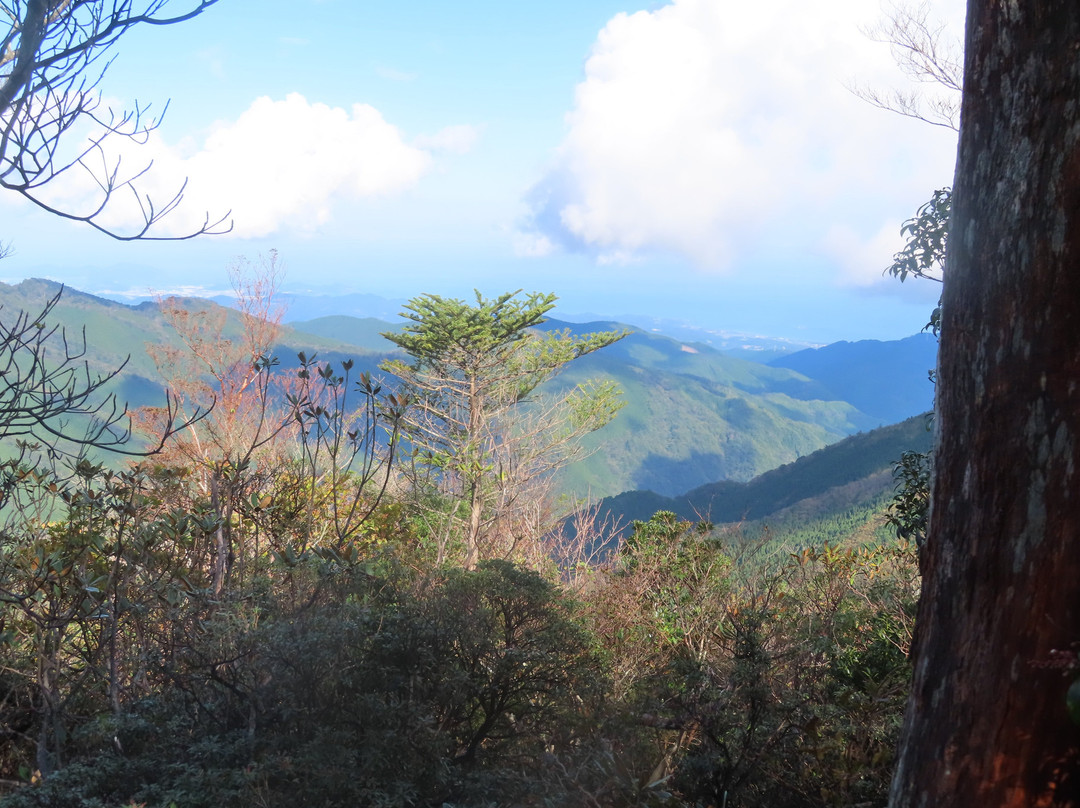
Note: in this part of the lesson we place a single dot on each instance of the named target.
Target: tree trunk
(50, 745)
(986, 722)
(475, 472)
(219, 569)
(476, 513)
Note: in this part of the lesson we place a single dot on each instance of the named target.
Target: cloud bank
(704, 126)
(280, 165)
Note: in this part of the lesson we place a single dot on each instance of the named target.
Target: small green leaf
(1072, 701)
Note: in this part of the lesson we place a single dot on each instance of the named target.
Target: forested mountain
(693, 415)
(116, 334)
(852, 473)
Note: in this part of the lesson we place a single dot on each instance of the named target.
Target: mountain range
(694, 414)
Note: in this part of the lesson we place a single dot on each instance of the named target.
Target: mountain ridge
(694, 414)
(861, 463)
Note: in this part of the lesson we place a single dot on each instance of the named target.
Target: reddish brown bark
(986, 723)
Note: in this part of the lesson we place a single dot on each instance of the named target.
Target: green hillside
(116, 334)
(850, 476)
(364, 332)
(692, 414)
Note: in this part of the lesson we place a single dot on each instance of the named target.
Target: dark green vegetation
(854, 474)
(687, 669)
(266, 613)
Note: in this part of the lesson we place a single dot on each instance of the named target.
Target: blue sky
(701, 159)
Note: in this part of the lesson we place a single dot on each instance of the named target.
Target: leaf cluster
(927, 239)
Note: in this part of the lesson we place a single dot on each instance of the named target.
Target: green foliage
(682, 577)
(488, 348)
(927, 236)
(910, 506)
(480, 435)
(450, 689)
(449, 333)
(923, 256)
(700, 669)
(761, 680)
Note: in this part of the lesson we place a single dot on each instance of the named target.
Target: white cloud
(174, 290)
(861, 261)
(532, 245)
(280, 164)
(458, 139)
(704, 126)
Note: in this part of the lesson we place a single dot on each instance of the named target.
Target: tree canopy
(475, 425)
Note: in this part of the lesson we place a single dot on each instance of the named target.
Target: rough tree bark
(986, 722)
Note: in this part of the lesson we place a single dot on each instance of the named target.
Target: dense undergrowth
(692, 668)
(299, 601)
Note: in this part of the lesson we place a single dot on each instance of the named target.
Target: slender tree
(476, 427)
(999, 620)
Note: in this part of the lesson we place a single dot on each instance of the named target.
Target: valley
(693, 415)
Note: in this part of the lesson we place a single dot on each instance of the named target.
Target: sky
(701, 160)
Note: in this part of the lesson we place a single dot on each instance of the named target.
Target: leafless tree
(926, 54)
(52, 60)
(50, 396)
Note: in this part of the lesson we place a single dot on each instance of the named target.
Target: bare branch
(49, 81)
(51, 398)
(926, 54)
